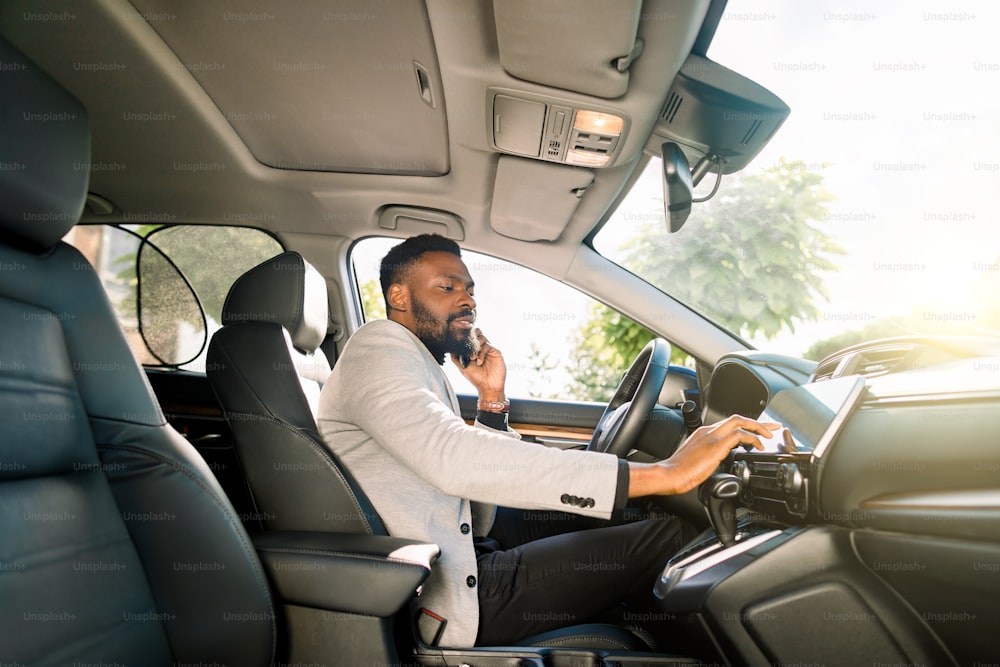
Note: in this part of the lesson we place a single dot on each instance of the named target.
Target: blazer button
(589, 502)
(465, 528)
(470, 581)
(564, 499)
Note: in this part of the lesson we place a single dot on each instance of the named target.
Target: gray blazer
(390, 414)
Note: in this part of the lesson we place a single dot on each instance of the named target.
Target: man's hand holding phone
(485, 369)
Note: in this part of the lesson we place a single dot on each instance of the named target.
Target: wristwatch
(493, 406)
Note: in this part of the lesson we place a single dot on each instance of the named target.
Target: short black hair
(401, 258)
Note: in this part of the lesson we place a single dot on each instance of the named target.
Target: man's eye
(447, 288)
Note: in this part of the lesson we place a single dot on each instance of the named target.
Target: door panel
(563, 424)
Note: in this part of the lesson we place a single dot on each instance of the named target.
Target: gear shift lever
(718, 494)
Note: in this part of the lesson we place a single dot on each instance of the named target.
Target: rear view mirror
(677, 187)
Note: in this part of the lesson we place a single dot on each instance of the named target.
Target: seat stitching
(344, 554)
(576, 638)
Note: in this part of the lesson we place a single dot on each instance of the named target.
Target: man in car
(390, 414)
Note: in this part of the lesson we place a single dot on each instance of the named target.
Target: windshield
(869, 214)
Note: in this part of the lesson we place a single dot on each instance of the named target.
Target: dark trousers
(540, 571)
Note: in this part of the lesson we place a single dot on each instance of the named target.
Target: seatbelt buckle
(430, 626)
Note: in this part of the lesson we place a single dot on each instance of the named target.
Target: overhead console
(552, 129)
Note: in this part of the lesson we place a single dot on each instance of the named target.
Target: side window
(557, 342)
(168, 283)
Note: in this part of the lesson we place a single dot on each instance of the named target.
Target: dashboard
(868, 528)
(871, 434)
(778, 480)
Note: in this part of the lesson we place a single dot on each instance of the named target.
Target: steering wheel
(633, 401)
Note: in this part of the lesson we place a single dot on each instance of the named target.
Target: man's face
(442, 305)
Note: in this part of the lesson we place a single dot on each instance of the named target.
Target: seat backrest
(118, 545)
(267, 369)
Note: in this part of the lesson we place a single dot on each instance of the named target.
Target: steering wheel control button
(470, 581)
(465, 528)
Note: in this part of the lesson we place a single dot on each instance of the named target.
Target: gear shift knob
(719, 494)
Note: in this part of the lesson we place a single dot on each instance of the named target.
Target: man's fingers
(738, 430)
(744, 437)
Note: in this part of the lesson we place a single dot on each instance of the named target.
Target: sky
(897, 105)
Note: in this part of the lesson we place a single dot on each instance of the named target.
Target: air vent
(874, 363)
(748, 137)
(826, 370)
(871, 361)
(671, 108)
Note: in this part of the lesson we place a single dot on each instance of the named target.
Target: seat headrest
(45, 148)
(283, 290)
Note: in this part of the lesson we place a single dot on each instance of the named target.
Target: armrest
(362, 574)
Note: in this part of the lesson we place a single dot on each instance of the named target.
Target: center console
(769, 585)
(780, 481)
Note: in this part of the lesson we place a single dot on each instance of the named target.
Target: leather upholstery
(269, 387)
(118, 547)
(44, 184)
(284, 290)
(302, 565)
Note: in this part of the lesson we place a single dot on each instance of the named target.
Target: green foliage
(603, 348)
(212, 258)
(541, 367)
(752, 259)
(372, 301)
(884, 328)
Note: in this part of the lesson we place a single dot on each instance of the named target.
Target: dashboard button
(741, 470)
(789, 478)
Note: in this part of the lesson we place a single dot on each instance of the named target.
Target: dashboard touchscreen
(812, 414)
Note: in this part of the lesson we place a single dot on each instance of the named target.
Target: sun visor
(584, 47)
(534, 201)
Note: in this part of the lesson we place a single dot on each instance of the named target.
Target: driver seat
(266, 369)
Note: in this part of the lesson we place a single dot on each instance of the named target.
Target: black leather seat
(118, 546)
(266, 369)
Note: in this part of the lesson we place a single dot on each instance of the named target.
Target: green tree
(541, 366)
(883, 328)
(752, 259)
(603, 348)
(372, 301)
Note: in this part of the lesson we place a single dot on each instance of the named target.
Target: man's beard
(437, 336)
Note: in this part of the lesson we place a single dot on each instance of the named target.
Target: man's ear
(398, 297)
